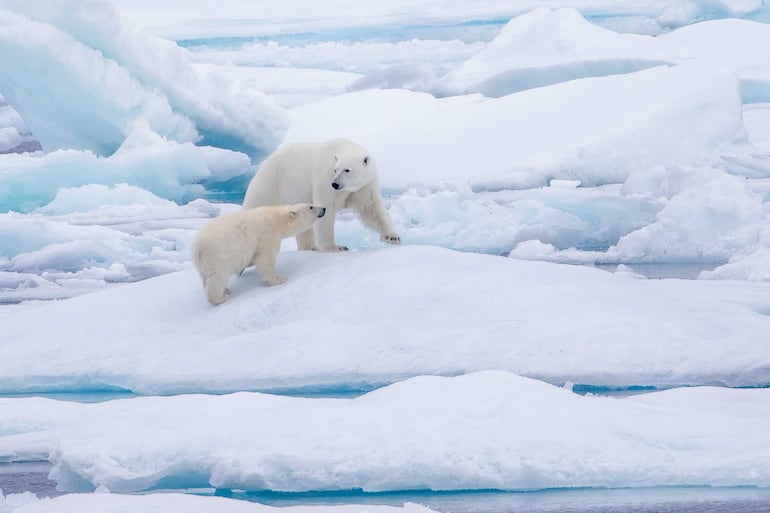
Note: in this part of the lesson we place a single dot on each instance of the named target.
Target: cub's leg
(264, 262)
(216, 288)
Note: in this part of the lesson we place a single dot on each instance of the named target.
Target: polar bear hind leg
(216, 288)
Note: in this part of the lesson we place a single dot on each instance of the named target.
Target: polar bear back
(229, 242)
(291, 173)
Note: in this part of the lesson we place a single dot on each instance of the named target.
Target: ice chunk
(166, 168)
(97, 92)
(110, 74)
(9, 138)
(92, 197)
(713, 216)
(746, 265)
(683, 12)
(549, 46)
(93, 236)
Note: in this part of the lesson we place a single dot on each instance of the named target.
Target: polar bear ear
(293, 213)
(366, 160)
(336, 157)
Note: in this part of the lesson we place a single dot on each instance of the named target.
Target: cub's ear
(293, 213)
(366, 159)
(336, 157)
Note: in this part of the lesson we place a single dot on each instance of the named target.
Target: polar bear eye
(347, 170)
(366, 160)
(311, 208)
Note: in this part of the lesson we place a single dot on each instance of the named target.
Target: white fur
(230, 243)
(305, 172)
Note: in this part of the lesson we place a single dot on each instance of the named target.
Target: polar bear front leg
(306, 240)
(373, 214)
(264, 262)
(324, 234)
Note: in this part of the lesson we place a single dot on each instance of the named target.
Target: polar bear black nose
(336, 186)
(322, 212)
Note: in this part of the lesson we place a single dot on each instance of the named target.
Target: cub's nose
(335, 186)
(321, 211)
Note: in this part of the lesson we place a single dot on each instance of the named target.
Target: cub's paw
(218, 299)
(390, 238)
(275, 280)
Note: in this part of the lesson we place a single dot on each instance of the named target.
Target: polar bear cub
(231, 242)
(335, 174)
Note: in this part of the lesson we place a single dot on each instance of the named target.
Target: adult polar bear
(335, 174)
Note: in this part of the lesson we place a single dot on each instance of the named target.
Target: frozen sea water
(31, 476)
(483, 29)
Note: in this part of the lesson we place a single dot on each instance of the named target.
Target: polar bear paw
(218, 298)
(274, 280)
(390, 238)
(333, 249)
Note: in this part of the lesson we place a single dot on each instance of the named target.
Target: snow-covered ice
(596, 130)
(511, 139)
(488, 430)
(678, 13)
(550, 46)
(349, 320)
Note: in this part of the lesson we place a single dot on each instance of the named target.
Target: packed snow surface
(361, 318)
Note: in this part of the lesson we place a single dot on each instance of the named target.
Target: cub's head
(303, 215)
(352, 171)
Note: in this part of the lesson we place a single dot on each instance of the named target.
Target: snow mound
(547, 46)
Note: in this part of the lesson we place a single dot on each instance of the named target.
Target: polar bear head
(353, 170)
(302, 216)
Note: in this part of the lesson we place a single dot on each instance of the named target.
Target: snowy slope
(362, 318)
